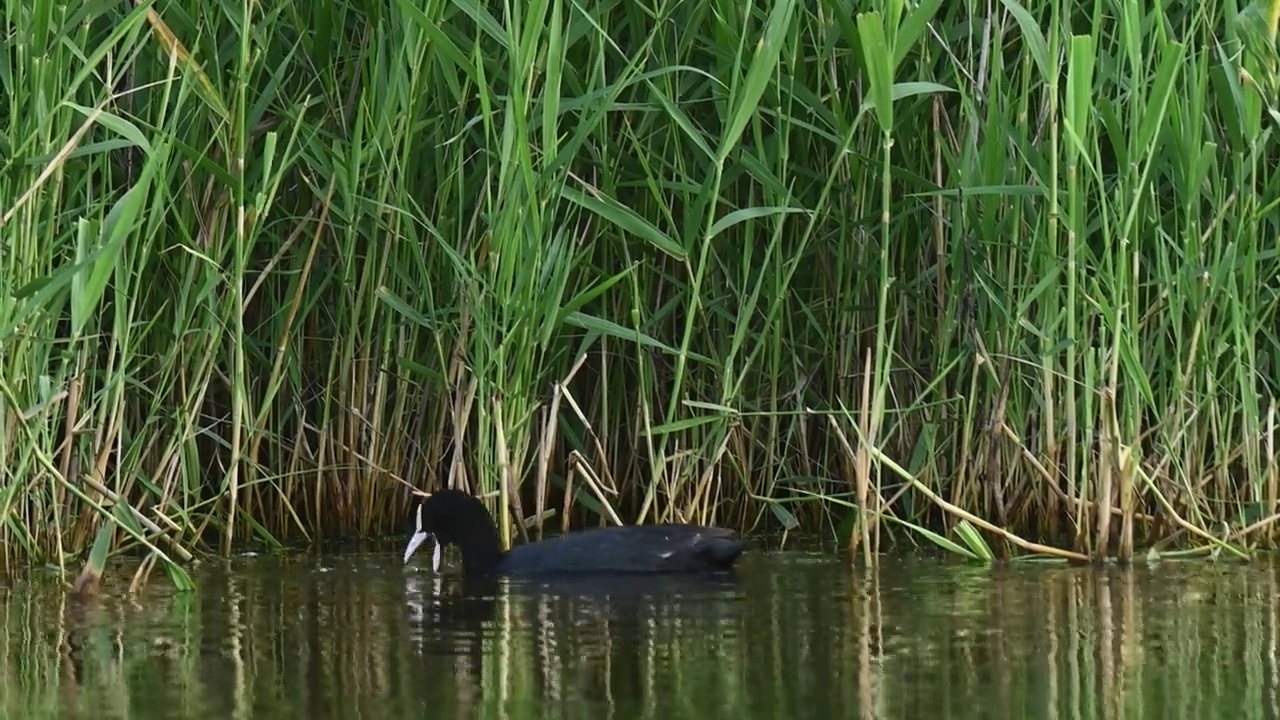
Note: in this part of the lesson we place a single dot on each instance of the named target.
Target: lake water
(795, 635)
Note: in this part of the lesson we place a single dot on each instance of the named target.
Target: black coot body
(452, 517)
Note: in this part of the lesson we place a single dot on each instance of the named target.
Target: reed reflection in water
(794, 635)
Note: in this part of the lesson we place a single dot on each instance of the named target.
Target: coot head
(452, 517)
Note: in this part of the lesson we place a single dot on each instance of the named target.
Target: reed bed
(993, 276)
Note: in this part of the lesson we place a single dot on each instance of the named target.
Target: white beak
(416, 541)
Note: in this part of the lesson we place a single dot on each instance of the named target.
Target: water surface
(794, 635)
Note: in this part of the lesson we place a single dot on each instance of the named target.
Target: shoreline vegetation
(994, 277)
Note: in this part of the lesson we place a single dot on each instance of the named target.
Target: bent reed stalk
(957, 273)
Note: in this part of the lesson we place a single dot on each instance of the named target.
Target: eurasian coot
(454, 517)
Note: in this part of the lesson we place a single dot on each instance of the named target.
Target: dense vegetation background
(946, 265)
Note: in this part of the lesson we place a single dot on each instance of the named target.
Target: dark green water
(796, 636)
